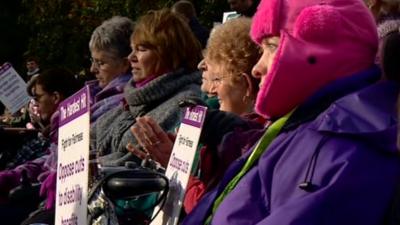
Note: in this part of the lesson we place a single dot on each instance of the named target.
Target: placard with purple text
(12, 89)
(73, 158)
(180, 164)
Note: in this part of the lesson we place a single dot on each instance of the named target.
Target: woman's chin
(223, 107)
(102, 84)
(138, 78)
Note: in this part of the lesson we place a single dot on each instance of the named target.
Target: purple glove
(48, 189)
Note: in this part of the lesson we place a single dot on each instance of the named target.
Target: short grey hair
(113, 36)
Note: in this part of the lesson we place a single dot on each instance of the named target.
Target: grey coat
(158, 99)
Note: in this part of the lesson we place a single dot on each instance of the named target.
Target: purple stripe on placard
(74, 106)
(194, 116)
(4, 67)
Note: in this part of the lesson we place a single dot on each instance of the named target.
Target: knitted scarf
(159, 99)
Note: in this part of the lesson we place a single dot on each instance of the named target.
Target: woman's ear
(57, 98)
(249, 84)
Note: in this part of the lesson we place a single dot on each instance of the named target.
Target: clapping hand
(154, 141)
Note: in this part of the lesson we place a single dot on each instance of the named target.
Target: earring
(245, 99)
(248, 99)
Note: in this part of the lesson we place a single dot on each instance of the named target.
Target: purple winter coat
(42, 169)
(102, 100)
(349, 150)
(36, 169)
(107, 98)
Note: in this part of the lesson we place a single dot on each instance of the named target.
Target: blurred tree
(58, 31)
(210, 11)
(13, 38)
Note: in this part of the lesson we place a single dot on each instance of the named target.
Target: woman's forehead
(270, 39)
(214, 67)
(102, 53)
(38, 89)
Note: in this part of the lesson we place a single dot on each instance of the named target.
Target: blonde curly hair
(231, 47)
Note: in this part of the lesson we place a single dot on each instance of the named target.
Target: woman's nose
(202, 65)
(258, 70)
(132, 56)
(93, 68)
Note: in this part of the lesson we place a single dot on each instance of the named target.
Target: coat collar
(323, 98)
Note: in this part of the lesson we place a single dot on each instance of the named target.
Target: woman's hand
(155, 142)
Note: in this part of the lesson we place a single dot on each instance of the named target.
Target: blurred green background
(57, 32)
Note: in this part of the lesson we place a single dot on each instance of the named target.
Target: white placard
(229, 15)
(180, 164)
(73, 158)
(12, 89)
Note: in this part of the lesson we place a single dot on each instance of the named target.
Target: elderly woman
(229, 58)
(109, 46)
(164, 57)
(330, 156)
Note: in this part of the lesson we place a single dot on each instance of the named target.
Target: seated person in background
(187, 10)
(164, 57)
(391, 69)
(109, 46)
(332, 147)
(32, 67)
(51, 88)
(244, 7)
(27, 116)
(23, 145)
(389, 55)
(229, 57)
(384, 9)
(387, 15)
(33, 109)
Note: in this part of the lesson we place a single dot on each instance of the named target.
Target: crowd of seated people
(229, 57)
(50, 88)
(305, 129)
(26, 136)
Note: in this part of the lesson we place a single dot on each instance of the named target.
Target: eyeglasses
(97, 63)
(217, 80)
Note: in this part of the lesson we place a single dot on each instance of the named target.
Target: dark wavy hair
(58, 80)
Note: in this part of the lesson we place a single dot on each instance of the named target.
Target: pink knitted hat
(321, 41)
